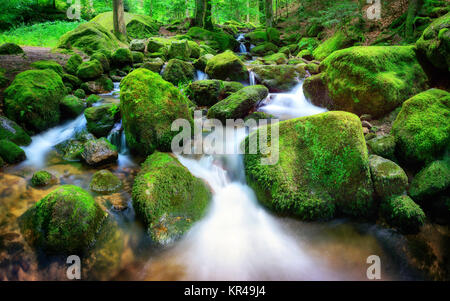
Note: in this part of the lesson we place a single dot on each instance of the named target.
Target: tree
(413, 8)
(120, 30)
(207, 19)
(262, 14)
(199, 12)
(269, 13)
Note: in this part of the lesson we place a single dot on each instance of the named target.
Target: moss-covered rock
(279, 78)
(209, 92)
(422, 128)
(4, 81)
(101, 119)
(90, 70)
(71, 80)
(12, 131)
(89, 38)
(227, 66)
(238, 104)
(99, 152)
(273, 35)
(276, 59)
(10, 48)
(195, 49)
(431, 181)
(52, 65)
(122, 57)
(71, 106)
(305, 54)
(388, 178)
(218, 40)
(322, 160)
(138, 57)
(168, 198)
(435, 43)
(257, 37)
(383, 146)
(371, 80)
(154, 65)
(32, 100)
(99, 86)
(264, 49)
(64, 222)
(307, 44)
(137, 45)
(104, 181)
(338, 41)
(103, 59)
(402, 213)
(73, 63)
(178, 71)
(80, 93)
(92, 99)
(42, 178)
(179, 50)
(149, 105)
(10, 152)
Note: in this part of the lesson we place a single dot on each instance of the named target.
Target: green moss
(307, 44)
(422, 128)
(264, 49)
(3, 80)
(101, 119)
(100, 151)
(41, 178)
(383, 146)
(92, 99)
(431, 181)
(103, 59)
(52, 65)
(71, 106)
(227, 66)
(10, 48)
(238, 104)
(195, 49)
(305, 53)
(154, 65)
(32, 100)
(73, 63)
(218, 40)
(79, 93)
(64, 222)
(273, 35)
(149, 105)
(279, 78)
(138, 57)
(178, 72)
(257, 36)
(12, 131)
(321, 157)
(259, 115)
(372, 80)
(277, 58)
(168, 198)
(338, 41)
(388, 178)
(90, 70)
(71, 80)
(209, 92)
(402, 213)
(179, 50)
(104, 181)
(10, 152)
(122, 57)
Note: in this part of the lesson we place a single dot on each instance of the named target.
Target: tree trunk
(120, 30)
(269, 13)
(262, 13)
(207, 20)
(248, 11)
(199, 12)
(187, 8)
(413, 8)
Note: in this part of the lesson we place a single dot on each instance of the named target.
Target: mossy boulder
(137, 45)
(279, 78)
(149, 105)
(71, 80)
(273, 35)
(42, 178)
(371, 79)
(138, 57)
(322, 162)
(64, 222)
(10, 48)
(89, 38)
(338, 41)
(209, 92)
(12, 131)
(239, 104)
(435, 43)
(73, 63)
(71, 106)
(227, 66)
(92, 99)
(4, 81)
(422, 128)
(10, 152)
(33, 98)
(80, 93)
(103, 59)
(388, 178)
(122, 57)
(307, 44)
(383, 146)
(264, 49)
(178, 71)
(179, 50)
(218, 40)
(154, 65)
(90, 70)
(101, 119)
(276, 59)
(257, 37)
(195, 49)
(168, 198)
(52, 65)
(99, 152)
(401, 212)
(431, 181)
(157, 44)
(105, 182)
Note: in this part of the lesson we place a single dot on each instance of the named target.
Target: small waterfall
(118, 139)
(114, 92)
(252, 78)
(200, 75)
(240, 39)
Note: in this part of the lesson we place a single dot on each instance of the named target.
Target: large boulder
(422, 128)
(122, 57)
(369, 79)
(264, 49)
(10, 48)
(10, 152)
(90, 70)
(73, 63)
(435, 43)
(227, 66)
(239, 104)
(218, 40)
(149, 105)
(13, 132)
(383, 146)
(137, 45)
(431, 181)
(64, 222)
(167, 197)
(52, 65)
(280, 78)
(103, 59)
(71, 106)
(154, 65)
(101, 119)
(179, 50)
(178, 71)
(322, 166)
(209, 92)
(338, 41)
(401, 212)
(99, 152)
(32, 100)
(388, 178)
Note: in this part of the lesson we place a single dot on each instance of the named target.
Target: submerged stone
(104, 181)
(99, 152)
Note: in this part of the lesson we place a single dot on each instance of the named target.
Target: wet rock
(137, 45)
(383, 146)
(13, 132)
(401, 212)
(431, 181)
(280, 78)
(209, 92)
(10, 152)
(71, 106)
(101, 119)
(100, 86)
(389, 179)
(98, 152)
(178, 71)
(104, 181)
(226, 66)
(42, 178)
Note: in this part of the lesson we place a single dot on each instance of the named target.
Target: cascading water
(242, 47)
(118, 139)
(200, 75)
